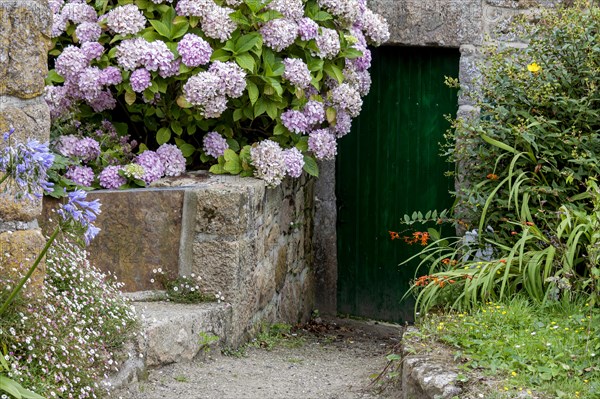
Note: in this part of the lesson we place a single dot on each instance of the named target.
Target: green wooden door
(389, 166)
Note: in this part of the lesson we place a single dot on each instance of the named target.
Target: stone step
(170, 333)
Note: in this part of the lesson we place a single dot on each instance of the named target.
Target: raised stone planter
(251, 243)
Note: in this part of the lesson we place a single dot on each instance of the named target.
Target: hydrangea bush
(217, 77)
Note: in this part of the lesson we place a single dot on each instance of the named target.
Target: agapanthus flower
(294, 121)
(268, 161)
(126, 20)
(214, 144)
(307, 29)
(153, 166)
(347, 97)
(217, 24)
(81, 175)
(322, 143)
(296, 71)
(292, 9)
(232, 78)
(140, 80)
(71, 62)
(88, 32)
(328, 43)
(375, 27)
(81, 212)
(194, 50)
(314, 112)
(172, 159)
(110, 177)
(279, 34)
(294, 162)
(26, 164)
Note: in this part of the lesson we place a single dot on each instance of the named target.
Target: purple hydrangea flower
(156, 55)
(232, 78)
(126, 20)
(154, 168)
(346, 10)
(294, 121)
(71, 62)
(172, 158)
(110, 177)
(130, 53)
(89, 83)
(82, 212)
(348, 98)
(85, 149)
(27, 165)
(202, 87)
(110, 76)
(214, 144)
(214, 107)
(140, 80)
(194, 50)
(328, 43)
(216, 23)
(279, 34)
(294, 162)
(314, 112)
(81, 175)
(268, 161)
(322, 143)
(296, 71)
(78, 12)
(292, 9)
(104, 101)
(375, 27)
(88, 32)
(58, 101)
(92, 50)
(343, 124)
(171, 70)
(307, 29)
(134, 171)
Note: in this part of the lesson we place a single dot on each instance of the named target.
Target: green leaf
(334, 72)
(310, 166)
(54, 77)
(220, 55)
(176, 127)
(179, 29)
(130, 97)
(150, 35)
(233, 145)
(247, 42)
(233, 164)
(302, 144)
(246, 61)
(217, 169)
(254, 5)
(163, 135)
(187, 150)
(161, 28)
(183, 103)
(260, 107)
(239, 18)
(252, 92)
(331, 114)
(237, 114)
(279, 130)
(272, 110)
(322, 16)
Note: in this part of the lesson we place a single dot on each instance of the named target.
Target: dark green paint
(387, 167)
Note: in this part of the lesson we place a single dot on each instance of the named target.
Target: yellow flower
(534, 67)
(514, 374)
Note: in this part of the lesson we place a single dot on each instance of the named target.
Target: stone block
(30, 118)
(18, 251)
(222, 210)
(218, 264)
(21, 210)
(140, 231)
(24, 44)
(447, 23)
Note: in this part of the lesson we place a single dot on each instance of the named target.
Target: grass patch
(278, 334)
(546, 352)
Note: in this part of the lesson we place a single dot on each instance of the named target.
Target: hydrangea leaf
(130, 97)
(246, 61)
(247, 42)
(252, 92)
(179, 29)
(310, 166)
(163, 135)
(232, 162)
(161, 28)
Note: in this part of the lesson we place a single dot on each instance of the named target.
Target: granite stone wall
(463, 24)
(24, 41)
(249, 242)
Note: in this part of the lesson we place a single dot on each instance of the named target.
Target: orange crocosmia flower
(492, 176)
(394, 235)
(529, 223)
(513, 233)
(502, 260)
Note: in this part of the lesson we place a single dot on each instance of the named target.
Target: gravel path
(332, 359)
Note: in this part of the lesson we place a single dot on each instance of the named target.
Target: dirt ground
(334, 359)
